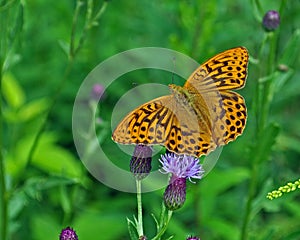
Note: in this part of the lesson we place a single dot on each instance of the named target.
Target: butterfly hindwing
(231, 124)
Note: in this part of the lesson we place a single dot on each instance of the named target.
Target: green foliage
(46, 51)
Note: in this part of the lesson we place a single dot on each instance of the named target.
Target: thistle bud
(271, 20)
(140, 164)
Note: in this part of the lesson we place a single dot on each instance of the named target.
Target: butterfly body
(198, 117)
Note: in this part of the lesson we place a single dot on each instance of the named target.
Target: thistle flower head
(181, 166)
(192, 238)
(271, 20)
(140, 164)
(175, 194)
(97, 91)
(68, 233)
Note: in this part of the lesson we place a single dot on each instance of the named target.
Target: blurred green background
(50, 188)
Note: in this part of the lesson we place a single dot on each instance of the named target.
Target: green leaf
(171, 237)
(64, 46)
(100, 225)
(12, 91)
(132, 230)
(156, 221)
(31, 190)
(33, 109)
(288, 142)
(44, 226)
(48, 156)
(223, 229)
(54, 159)
(291, 51)
(35, 185)
(218, 181)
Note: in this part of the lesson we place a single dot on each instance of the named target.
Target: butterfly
(198, 117)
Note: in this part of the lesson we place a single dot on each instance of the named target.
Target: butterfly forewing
(148, 124)
(226, 70)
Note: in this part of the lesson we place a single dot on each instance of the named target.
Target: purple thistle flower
(181, 167)
(68, 234)
(271, 20)
(140, 164)
(97, 91)
(192, 238)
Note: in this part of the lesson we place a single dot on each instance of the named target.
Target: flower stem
(264, 96)
(3, 192)
(140, 230)
(268, 85)
(164, 222)
(73, 51)
(3, 195)
(90, 22)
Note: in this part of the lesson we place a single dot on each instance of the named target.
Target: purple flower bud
(175, 194)
(140, 164)
(97, 91)
(192, 238)
(68, 234)
(271, 20)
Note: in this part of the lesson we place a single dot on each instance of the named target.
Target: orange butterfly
(195, 118)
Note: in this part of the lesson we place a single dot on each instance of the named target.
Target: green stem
(3, 191)
(259, 7)
(89, 23)
(140, 230)
(52, 104)
(268, 85)
(3, 195)
(264, 96)
(257, 101)
(72, 51)
(162, 215)
(163, 225)
(99, 13)
(251, 194)
(72, 54)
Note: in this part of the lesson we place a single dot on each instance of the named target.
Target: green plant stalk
(89, 23)
(3, 192)
(162, 215)
(268, 85)
(257, 104)
(251, 194)
(139, 226)
(72, 54)
(263, 101)
(257, 100)
(3, 195)
(72, 51)
(163, 224)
